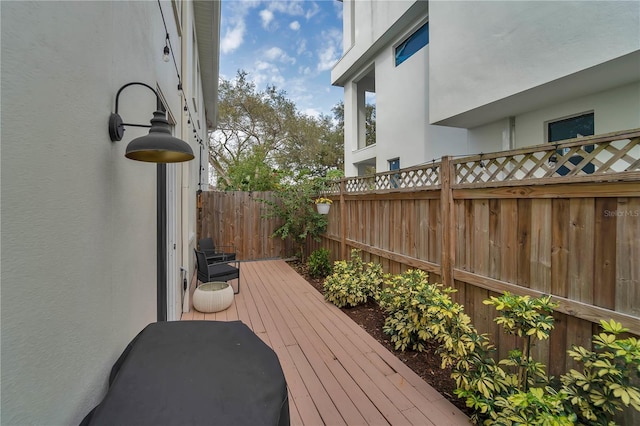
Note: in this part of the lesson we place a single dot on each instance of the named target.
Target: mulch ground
(426, 364)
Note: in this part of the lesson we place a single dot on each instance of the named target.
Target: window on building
(395, 178)
(412, 44)
(370, 118)
(569, 128)
(394, 164)
(365, 89)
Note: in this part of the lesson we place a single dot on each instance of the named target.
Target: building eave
(615, 73)
(207, 25)
(354, 60)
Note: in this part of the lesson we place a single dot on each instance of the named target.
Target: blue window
(395, 178)
(411, 45)
(394, 164)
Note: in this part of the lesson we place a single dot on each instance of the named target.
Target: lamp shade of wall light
(159, 146)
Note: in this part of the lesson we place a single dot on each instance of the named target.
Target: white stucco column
(350, 127)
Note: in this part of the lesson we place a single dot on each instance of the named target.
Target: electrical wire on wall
(168, 52)
(190, 120)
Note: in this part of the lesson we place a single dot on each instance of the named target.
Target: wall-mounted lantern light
(159, 146)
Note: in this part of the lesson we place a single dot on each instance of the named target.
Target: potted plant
(323, 204)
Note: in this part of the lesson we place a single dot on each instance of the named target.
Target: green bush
(319, 263)
(352, 282)
(604, 386)
(512, 391)
(521, 389)
(298, 215)
(517, 390)
(408, 300)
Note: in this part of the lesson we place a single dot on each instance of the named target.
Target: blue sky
(291, 44)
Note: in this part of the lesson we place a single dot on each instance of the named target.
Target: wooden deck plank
(328, 411)
(389, 410)
(294, 415)
(306, 335)
(343, 350)
(429, 393)
(335, 371)
(363, 372)
(308, 397)
(282, 320)
(256, 322)
(343, 390)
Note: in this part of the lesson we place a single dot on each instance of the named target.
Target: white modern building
(80, 264)
(456, 77)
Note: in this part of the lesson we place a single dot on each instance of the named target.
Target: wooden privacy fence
(558, 219)
(237, 218)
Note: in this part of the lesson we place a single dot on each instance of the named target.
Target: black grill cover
(195, 373)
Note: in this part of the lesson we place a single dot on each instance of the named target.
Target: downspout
(161, 221)
(512, 133)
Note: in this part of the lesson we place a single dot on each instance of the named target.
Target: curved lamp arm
(116, 125)
(159, 146)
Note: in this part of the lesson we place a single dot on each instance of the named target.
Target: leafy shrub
(297, 212)
(522, 393)
(319, 263)
(352, 282)
(416, 310)
(604, 386)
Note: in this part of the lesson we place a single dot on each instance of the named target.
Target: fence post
(447, 220)
(343, 220)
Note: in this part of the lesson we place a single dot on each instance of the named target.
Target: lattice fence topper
(583, 158)
(411, 178)
(333, 187)
(603, 155)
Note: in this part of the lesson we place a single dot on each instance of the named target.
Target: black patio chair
(218, 271)
(216, 254)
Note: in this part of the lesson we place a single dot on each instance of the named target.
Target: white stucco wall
(614, 110)
(78, 218)
(373, 23)
(402, 101)
(482, 52)
(402, 92)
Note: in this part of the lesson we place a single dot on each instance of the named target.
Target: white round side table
(213, 297)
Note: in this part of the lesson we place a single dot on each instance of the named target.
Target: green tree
(251, 173)
(261, 131)
(370, 122)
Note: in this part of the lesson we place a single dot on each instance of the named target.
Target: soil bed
(425, 364)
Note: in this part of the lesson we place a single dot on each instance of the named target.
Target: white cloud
(267, 17)
(327, 58)
(233, 24)
(338, 6)
(233, 38)
(312, 11)
(311, 112)
(302, 47)
(295, 25)
(261, 65)
(292, 8)
(304, 70)
(267, 74)
(330, 51)
(277, 54)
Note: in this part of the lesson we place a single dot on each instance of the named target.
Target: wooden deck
(336, 372)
